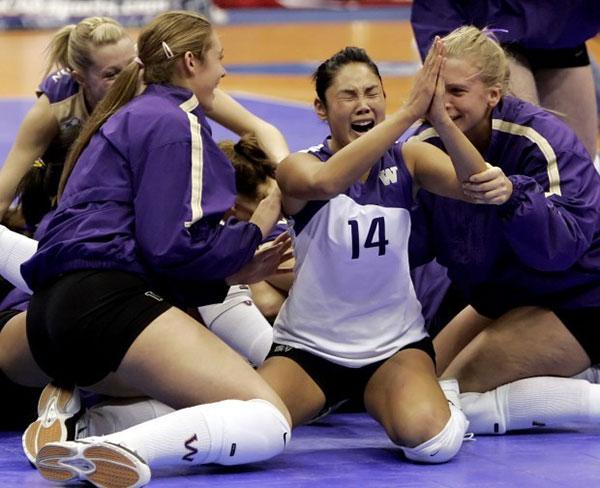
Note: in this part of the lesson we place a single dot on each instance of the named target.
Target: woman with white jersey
(351, 327)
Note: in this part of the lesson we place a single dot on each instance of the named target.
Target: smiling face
(107, 62)
(354, 103)
(209, 73)
(468, 100)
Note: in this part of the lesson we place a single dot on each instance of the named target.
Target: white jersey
(353, 302)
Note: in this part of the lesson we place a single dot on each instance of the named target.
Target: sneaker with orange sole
(58, 412)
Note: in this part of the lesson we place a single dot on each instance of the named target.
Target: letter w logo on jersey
(389, 175)
(193, 451)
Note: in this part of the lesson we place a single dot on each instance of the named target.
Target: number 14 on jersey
(375, 236)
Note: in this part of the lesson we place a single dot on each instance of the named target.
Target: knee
(422, 424)
(268, 303)
(265, 430)
(444, 445)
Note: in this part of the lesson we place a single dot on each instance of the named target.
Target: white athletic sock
(239, 323)
(115, 415)
(532, 402)
(15, 249)
(227, 432)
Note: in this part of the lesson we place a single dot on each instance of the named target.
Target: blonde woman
(83, 62)
(528, 265)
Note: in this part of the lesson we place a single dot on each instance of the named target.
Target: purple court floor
(351, 450)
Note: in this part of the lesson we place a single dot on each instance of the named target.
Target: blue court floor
(351, 450)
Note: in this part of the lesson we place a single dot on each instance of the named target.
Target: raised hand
(490, 187)
(437, 112)
(425, 83)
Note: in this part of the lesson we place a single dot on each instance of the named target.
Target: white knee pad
(444, 445)
(251, 431)
(238, 322)
(15, 249)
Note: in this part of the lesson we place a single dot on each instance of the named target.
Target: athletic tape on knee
(15, 249)
(239, 323)
(443, 446)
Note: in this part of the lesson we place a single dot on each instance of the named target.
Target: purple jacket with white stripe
(147, 196)
(541, 247)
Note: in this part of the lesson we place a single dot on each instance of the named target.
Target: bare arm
(303, 177)
(33, 138)
(229, 113)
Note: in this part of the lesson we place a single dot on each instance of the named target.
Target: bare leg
(405, 397)
(181, 364)
(299, 392)
(571, 93)
(16, 360)
(268, 299)
(233, 416)
(456, 335)
(522, 81)
(524, 342)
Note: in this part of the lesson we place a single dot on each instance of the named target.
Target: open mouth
(362, 126)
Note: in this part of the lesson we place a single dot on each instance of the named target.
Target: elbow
(325, 189)
(316, 189)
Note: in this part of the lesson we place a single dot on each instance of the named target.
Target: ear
(190, 62)
(494, 95)
(320, 109)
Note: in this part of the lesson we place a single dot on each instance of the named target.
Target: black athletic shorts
(80, 326)
(584, 324)
(340, 383)
(571, 57)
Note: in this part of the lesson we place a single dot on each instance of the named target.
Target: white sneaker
(101, 463)
(58, 411)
